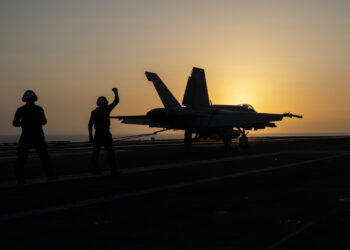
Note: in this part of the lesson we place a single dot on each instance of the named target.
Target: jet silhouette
(198, 116)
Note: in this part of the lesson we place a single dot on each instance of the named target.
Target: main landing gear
(227, 141)
(243, 140)
(188, 139)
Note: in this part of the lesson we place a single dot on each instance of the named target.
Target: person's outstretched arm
(116, 99)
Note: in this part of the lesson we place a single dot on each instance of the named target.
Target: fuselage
(215, 122)
(197, 114)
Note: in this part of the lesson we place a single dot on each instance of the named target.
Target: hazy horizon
(162, 136)
(279, 56)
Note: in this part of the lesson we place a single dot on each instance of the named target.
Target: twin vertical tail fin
(168, 100)
(196, 94)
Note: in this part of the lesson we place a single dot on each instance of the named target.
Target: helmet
(101, 101)
(29, 95)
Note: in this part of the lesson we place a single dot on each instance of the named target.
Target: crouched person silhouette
(31, 118)
(100, 120)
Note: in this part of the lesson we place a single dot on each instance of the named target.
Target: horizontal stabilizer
(168, 100)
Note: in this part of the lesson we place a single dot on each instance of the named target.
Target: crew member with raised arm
(100, 120)
(31, 118)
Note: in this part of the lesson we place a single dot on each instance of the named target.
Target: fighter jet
(197, 116)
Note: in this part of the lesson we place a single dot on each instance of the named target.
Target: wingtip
(197, 70)
(150, 75)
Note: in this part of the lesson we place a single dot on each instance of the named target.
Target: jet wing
(254, 120)
(137, 120)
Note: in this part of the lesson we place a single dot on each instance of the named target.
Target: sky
(277, 55)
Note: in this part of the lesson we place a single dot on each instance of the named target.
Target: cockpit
(236, 108)
(247, 107)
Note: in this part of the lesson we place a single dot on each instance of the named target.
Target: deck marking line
(289, 236)
(345, 199)
(136, 170)
(79, 204)
(143, 169)
(198, 162)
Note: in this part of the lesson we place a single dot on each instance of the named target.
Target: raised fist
(115, 90)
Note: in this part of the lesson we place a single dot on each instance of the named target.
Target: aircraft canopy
(248, 107)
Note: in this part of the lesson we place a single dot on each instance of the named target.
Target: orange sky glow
(279, 56)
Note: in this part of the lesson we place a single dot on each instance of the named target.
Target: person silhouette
(100, 120)
(31, 118)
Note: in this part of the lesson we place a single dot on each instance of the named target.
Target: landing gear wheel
(188, 139)
(227, 141)
(243, 140)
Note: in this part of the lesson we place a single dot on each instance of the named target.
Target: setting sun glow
(279, 56)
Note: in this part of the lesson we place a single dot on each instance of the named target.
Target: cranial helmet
(101, 101)
(29, 95)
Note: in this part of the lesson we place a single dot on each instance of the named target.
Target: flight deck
(275, 193)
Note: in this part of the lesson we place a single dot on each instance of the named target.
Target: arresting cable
(124, 138)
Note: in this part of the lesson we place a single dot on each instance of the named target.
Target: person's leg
(41, 148)
(95, 154)
(108, 145)
(22, 154)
